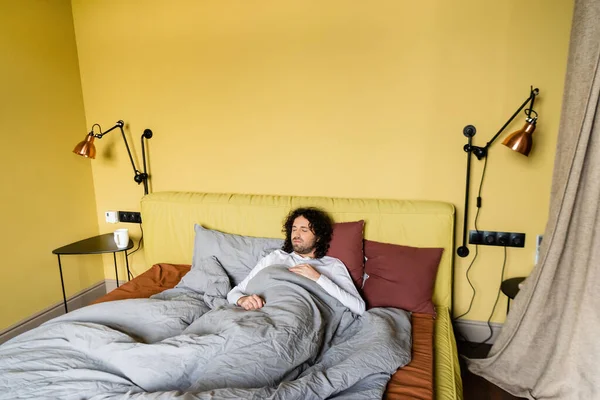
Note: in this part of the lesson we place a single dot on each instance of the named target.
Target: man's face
(303, 238)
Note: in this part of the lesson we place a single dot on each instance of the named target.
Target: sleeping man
(308, 232)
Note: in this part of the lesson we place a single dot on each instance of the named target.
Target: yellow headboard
(169, 218)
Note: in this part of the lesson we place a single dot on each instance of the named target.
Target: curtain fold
(549, 346)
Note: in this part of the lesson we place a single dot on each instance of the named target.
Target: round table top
(94, 245)
(510, 287)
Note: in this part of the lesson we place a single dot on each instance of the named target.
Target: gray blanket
(303, 344)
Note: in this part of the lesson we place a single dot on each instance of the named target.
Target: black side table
(94, 245)
(510, 288)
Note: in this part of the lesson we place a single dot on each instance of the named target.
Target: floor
(476, 387)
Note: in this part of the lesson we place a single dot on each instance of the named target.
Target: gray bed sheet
(303, 344)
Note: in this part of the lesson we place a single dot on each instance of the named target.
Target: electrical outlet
(489, 238)
(493, 238)
(517, 240)
(130, 216)
(502, 238)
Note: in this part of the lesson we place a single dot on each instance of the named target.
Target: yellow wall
(330, 98)
(47, 196)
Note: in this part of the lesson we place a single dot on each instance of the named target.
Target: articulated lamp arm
(481, 152)
(86, 148)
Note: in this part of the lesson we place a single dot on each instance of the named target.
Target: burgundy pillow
(347, 245)
(400, 276)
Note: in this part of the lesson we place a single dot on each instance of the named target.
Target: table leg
(116, 272)
(62, 284)
(507, 305)
(127, 263)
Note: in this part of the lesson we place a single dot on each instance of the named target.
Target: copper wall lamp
(519, 141)
(87, 149)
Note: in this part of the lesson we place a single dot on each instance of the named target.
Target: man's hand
(252, 302)
(306, 271)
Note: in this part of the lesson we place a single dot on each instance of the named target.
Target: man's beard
(302, 248)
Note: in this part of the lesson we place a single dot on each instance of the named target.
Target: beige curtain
(549, 347)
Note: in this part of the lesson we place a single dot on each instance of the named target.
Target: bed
(169, 245)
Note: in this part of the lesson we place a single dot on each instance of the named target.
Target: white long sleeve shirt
(335, 278)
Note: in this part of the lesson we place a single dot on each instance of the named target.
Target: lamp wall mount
(480, 152)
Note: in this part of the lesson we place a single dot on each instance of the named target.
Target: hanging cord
(476, 246)
(530, 110)
(133, 252)
(470, 284)
(474, 291)
(496, 302)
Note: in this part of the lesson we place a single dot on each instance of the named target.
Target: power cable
(134, 251)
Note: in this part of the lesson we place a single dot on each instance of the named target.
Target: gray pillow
(237, 254)
(208, 277)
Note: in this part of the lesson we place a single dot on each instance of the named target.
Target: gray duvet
(302, 345)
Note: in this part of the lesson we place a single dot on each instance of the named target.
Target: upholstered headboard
(169, 219)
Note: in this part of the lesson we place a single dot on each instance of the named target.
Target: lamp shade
(522, 140)
(86, 147)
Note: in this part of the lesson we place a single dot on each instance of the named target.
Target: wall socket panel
(134, 217)
(493, 238)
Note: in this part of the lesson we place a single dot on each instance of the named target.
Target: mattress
(414, 381)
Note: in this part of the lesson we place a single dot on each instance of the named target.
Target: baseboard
(111, 284)
(78, 300)
(476, 331)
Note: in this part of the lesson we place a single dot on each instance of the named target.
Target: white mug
(122, 238)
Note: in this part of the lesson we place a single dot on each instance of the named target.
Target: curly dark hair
(320, 224)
